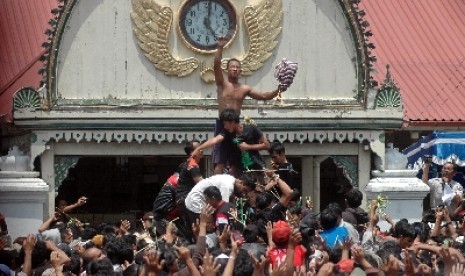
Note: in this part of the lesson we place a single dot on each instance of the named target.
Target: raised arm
(425, 175)
(208, 144)
(285, 190)
(81, 201)
(219, 78)
(263, 96)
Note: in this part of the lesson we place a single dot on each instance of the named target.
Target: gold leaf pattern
(152, 24)
(262, 22)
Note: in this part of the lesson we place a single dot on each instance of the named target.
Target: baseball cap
(281, 231)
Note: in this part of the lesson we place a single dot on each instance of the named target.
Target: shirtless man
(231, 94)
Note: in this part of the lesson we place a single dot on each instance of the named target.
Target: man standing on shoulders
(248, 138)
(231, 94)
(443, 190)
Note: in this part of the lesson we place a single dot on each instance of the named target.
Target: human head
(230, 119)
(40, 254)
(277, 153)
(213, 196)
(295, 215)
(251, 233)
(295, 197)
(190, 146)
(147, 220)
(61, 203)
(281, 232)
(330, 216)
(243, 264)
(263, 200)
(449, 169)
(119, 251)
(66, 235)
(100, 267)
(171, 260)
(354, 198)
(246, 184)
(405, 233)
(234, 68)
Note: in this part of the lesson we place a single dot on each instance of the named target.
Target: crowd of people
(246, 219)
(278, 235)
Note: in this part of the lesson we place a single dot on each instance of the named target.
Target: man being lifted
(231, 94)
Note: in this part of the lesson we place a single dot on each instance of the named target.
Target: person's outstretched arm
(81, 201)
(219, 79)
(208, 144)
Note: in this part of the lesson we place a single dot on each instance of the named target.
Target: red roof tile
(22, 26)
(424, 44)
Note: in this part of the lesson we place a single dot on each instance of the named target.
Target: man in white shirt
(443, 190)
(227, 185)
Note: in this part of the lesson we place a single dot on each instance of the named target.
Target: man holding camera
(443, 190)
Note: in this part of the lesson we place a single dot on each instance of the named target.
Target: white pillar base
(404, 191)
(22, 199)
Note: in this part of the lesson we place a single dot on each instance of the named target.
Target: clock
(201, 22)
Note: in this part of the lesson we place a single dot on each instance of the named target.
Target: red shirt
(278, 256)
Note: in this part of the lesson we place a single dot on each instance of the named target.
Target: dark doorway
(116, 185)
(333, 184)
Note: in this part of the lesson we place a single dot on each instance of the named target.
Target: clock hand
(207, 23)
(209, 9)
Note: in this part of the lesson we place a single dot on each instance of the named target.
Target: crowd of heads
(279, 234)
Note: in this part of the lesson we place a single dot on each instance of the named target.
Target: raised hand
(152, 263)
(183, 253)
(457, 270)
(209, 266)
(222, 41)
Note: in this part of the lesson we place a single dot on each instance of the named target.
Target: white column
(47, 160)
(364, 168)
(316, 182)
(307, 178)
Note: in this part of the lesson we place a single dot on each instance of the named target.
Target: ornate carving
(62, 166)
(348, 166)
(262, 22)
(120, 136)
(26, 98)
(152, 24)
(388, 93)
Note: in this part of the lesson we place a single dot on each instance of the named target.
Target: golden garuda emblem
(199, 24)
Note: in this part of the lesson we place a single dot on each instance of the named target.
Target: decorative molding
(119, 136)
(349, 168)
(389, 93)
(152, 27)
(62, 166)
(26, 97)
(262, 22)
(361, 32)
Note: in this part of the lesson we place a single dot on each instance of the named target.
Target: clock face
(201, 22)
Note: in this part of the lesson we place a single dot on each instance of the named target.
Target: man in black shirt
(248, 138)
(189, 175)
(279, 163)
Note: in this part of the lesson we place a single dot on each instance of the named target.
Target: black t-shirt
(273, 214)
(285, 172)
(186, 178)
(250, 135)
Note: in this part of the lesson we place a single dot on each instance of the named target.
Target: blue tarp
(443, 147)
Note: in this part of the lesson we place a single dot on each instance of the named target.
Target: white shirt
(195, 200)
(437, 192)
